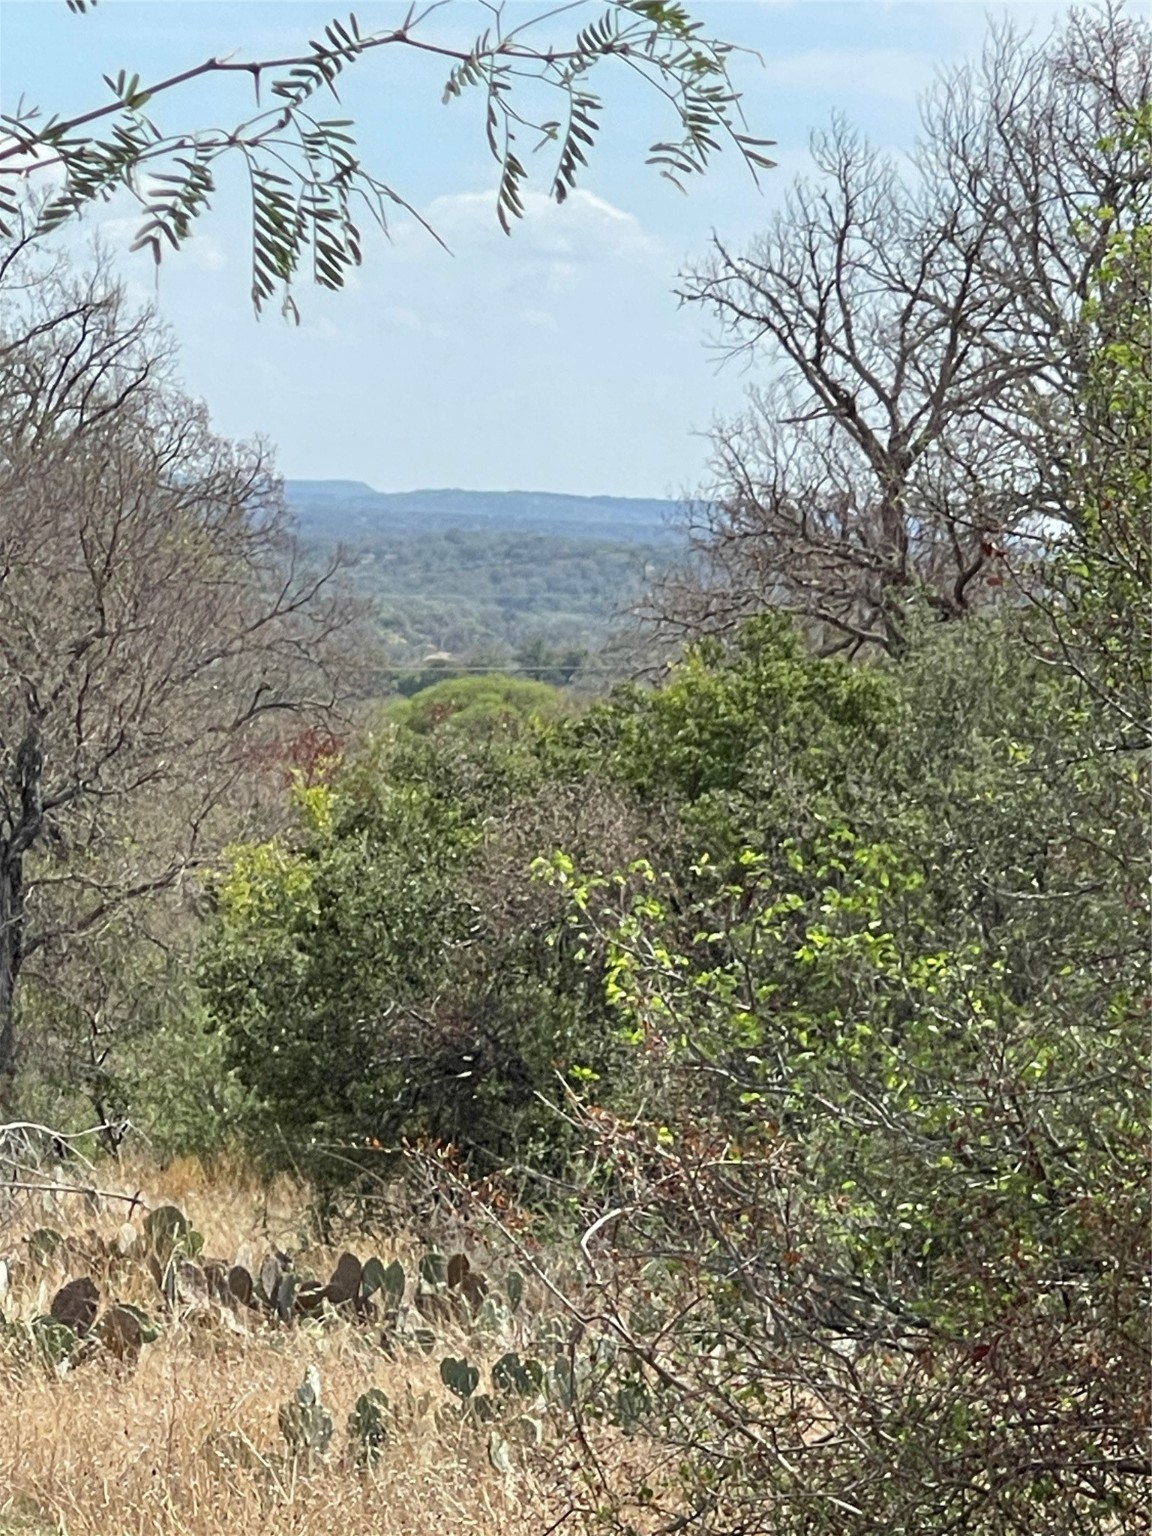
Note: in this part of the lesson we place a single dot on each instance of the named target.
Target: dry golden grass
(188, 1444)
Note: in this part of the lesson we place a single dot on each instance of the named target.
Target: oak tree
(920, 339)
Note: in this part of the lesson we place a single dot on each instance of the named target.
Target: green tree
(484, 705)
(1094, 586)
(894, 1078)
(388, 972)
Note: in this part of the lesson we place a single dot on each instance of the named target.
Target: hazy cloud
(582, 229)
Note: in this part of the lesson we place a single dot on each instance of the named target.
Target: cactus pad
(459, 1377)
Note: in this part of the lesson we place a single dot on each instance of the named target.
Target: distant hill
(350, 512)
(489, 573)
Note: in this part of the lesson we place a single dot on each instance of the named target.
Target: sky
(556, 359)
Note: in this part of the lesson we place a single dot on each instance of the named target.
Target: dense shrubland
(823, 1004)
(783, 1022)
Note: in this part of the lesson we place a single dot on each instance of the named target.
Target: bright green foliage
(735, 719)
(322, 949)
(491, 704)
(369, 984)
(1101, 616)
(891, 1013)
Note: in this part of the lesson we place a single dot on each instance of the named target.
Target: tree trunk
(29, 824)
(11, 953)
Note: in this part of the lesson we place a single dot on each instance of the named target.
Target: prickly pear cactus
(304, 1421)
(389, 1285)
(516, 1377)
(149, 1330)
(44, 1244)
(424, 1340)
(498, 1454)
(367, 1427)
(481, 1409)
(122, 1335)
(434, 1270)
(172, 1245)
(459, 1377)
(309, 1298)
(492, 1316)
(392, 1285)
(240, 1286)
(562, 1382)
(433, 1300)
(76, 1305)
(371, 1279)
(167, 1229)
(344, 1285)
(633, 1404)
(514, 1289)
(55, 1343)
(275, 1266)
(286, 1296)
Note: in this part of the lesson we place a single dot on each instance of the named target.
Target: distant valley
(494, 575)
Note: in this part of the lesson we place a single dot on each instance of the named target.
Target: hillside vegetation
(716, 1105)
(488, 574)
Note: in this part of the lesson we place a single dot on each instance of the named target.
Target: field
(188, 1439)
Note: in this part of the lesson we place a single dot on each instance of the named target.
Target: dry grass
(189, 1444)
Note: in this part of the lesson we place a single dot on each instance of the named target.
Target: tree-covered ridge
(489, 577)
(490, 595)
(349, 512)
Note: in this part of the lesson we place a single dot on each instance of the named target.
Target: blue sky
(556, 359)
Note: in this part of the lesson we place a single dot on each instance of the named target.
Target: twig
(77, 1189)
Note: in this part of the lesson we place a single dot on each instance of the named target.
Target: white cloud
(203, 252)
(542, 319)
(584, 228)
(401, 318)
(321, 328)
(41, 177)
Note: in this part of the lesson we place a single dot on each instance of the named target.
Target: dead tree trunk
(25, 823)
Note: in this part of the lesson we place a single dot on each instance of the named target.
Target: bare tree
(920, 329)
(155, 622)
